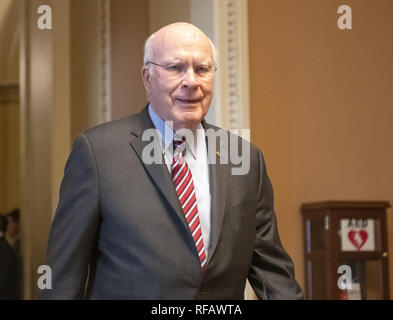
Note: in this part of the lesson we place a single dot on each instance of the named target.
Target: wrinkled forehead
(182, 43)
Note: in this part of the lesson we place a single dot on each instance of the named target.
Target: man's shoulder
(239, 136)
(119, 127)
(123, 123)
(5, 247)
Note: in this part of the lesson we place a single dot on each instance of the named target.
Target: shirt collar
(166, 133)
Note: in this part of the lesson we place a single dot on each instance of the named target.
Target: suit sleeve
(272, 272)
(75, 225)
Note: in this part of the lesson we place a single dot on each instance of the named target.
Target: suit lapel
(218, 173)
(157, 172)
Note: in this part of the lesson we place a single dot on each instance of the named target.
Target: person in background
(12, 230)
(3, 224)
(9, 266)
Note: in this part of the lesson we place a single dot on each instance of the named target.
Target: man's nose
(190, 78)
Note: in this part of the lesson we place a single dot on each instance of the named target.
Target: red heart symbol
(358, 238)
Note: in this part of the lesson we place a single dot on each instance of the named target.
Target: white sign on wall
(357, 235)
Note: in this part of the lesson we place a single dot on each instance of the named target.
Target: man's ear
(146, 77)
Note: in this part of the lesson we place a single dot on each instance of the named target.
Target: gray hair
(148, 51)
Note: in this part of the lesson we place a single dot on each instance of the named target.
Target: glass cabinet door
(366, 280)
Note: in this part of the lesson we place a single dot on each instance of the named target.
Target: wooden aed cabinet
(346, 253)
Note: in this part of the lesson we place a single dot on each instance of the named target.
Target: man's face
(184, 99)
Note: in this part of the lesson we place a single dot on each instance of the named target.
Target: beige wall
(9, 112)
(321, 106)
(85, 65)
(129, 30)
(163, 12)
(36, 85)
(9, 41)
(9, 149)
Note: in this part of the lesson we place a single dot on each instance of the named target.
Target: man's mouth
(190, 101)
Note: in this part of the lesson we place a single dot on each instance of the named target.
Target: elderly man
(185, 227)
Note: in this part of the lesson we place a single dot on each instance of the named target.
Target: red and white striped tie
(182, 179)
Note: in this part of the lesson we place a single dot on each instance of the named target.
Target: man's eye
(202, 69)
(175, 68)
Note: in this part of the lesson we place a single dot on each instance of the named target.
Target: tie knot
(178, 141)
(179, 145)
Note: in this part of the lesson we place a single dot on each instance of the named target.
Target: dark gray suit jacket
(9, 271)
(119, 227)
